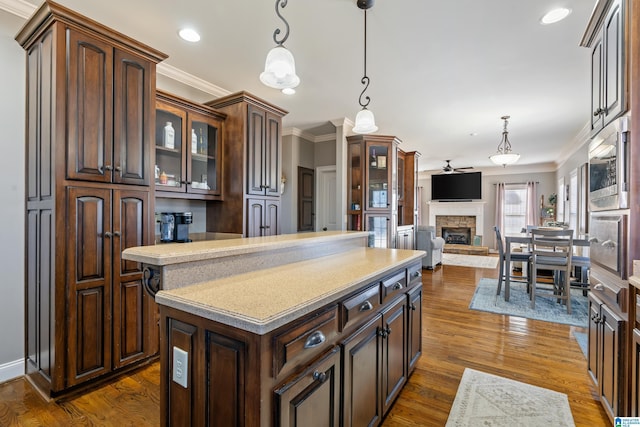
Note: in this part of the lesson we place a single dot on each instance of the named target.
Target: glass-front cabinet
(372, 182)
(188, 149)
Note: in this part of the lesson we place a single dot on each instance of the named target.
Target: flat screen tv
(456, 186)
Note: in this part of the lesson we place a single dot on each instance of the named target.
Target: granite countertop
(174, 253)
(262, 301)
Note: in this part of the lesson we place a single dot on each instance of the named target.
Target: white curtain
(532, 200)
(499, 211)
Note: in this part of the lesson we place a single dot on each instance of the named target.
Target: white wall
(12, 165)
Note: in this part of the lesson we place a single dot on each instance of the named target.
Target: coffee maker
(174, 226)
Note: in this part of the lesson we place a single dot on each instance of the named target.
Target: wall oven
(609, 167)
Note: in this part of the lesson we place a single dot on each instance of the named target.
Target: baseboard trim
(11, 370)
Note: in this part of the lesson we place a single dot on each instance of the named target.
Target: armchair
(426, 240)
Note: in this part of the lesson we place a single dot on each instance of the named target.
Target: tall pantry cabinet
(90, 114)
(252, 167)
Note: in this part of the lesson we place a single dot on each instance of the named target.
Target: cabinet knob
(116, 233)
(383, 333)
(319, 376)
(118, 169)
(366, 306)
(413, 307)
(388, 331)
(315, 339)
(598, 112)
(108, 234)
(108, 167)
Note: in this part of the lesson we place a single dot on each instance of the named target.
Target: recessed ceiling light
(189, 34)
(288, 91)
(473, 134)
(555, 15)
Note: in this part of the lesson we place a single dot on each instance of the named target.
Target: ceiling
(442, 72)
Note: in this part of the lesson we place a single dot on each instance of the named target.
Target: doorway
(327, 218)
(306, 202)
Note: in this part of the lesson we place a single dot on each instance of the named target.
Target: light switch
(180, 366)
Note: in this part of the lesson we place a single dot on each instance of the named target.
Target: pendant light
(365, 122)
(280, 67)
(504, 156)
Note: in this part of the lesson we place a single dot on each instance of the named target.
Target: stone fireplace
(465, 218)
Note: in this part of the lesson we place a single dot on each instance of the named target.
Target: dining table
(524, 242)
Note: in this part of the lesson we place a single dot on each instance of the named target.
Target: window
(561, 200)
(515, 208)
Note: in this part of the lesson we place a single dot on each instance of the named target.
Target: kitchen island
(317, 328)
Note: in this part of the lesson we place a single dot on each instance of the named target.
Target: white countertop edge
(159, 256)
(266, 325)
(635, 281)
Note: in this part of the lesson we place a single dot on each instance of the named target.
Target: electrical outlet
(180, 366)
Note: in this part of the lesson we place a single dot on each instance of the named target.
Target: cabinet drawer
(360, 305)
(304, 340)
(414, 273)
(394, 285)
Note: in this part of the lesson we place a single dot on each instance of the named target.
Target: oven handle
(624, 151)
(609, 244)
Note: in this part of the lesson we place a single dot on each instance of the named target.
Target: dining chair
(523, 257)
(581, 264)
(552, 250)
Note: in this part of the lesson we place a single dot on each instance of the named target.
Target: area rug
(547, 309)
(491, 401)
(583, 341)
(478, 261)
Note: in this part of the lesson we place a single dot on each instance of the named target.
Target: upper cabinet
(606, 36)
(188, 149)
(109, 92)
(263, 153)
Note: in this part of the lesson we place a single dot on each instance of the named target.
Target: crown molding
(18, 7)
(577, 143)
(190, 80)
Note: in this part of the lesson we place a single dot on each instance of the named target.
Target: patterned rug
(491, 401)
(547, 309)
(477, 261)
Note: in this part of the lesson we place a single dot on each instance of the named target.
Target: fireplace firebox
(457, 235)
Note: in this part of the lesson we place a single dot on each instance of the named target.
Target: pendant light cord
(365, 80)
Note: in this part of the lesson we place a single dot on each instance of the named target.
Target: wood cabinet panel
(363, 375)
(312, 399)
(634, 407)
(394, 363)
(255, 151)
(414, 334)
(180, 411)
(612, 347)
(89, 107)
(272, 155)
(132, 128)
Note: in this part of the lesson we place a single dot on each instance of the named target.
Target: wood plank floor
(454, 337)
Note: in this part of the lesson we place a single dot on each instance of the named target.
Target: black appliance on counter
(174, 226)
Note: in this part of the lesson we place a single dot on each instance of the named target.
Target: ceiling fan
(450, 169)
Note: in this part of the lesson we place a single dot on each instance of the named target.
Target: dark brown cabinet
(252, 166)
(188, 165)
(263, 217)
(606, 355)
(108, 112)
(372, 199)
(313, 397)
(608, 65)
(90, 94)
(342, 364)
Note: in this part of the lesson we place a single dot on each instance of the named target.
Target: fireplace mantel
(458, 208)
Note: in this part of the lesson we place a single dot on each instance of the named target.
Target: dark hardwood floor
(454, 337)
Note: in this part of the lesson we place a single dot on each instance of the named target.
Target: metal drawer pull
(598, 287)
(319, 376)
(315, 339)
(417, 274)
(366, 306)
(609, 244)
(593, 240)
(397, 286)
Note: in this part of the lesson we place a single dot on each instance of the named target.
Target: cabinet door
(414, 336)
(255, 151)
(612, 351)
(312, 398)
(171, 143)
(597, 112)
(88, 283)
(255, 217)
(132, 128)
(379, 163)
(271, 225)
(380, 226)
(635, 373)
(613, 84)
(593, 364)
(89, 108)
(135, 332)
(394, 353)
(204, 156)
(363, 375)
(272, 155)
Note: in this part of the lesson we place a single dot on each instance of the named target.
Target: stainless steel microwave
(609, 167)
